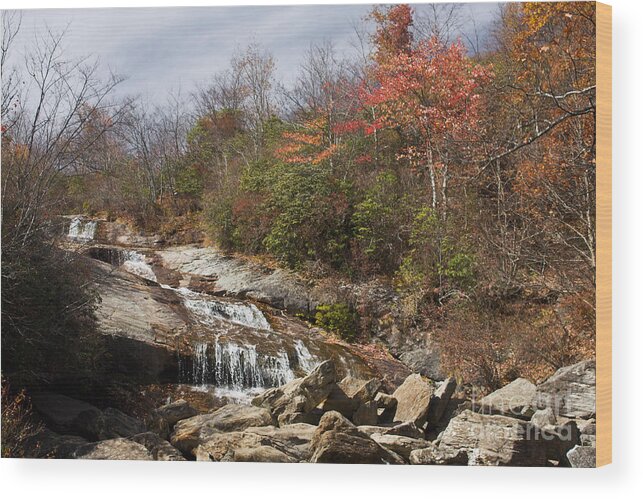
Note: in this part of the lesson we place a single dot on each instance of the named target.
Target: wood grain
(603, 234)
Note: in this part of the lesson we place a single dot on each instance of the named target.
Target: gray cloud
(167, 48)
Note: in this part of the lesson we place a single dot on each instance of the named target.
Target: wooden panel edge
(603, 234)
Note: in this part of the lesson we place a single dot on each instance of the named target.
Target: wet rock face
(278, 288)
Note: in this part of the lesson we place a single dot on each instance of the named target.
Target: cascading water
(208, 310)
(305, 359)
(134, 263)
(235, 371)
(228, 369)
(237, 367)
(81, 230)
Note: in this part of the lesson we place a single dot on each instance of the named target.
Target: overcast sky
(163, 49)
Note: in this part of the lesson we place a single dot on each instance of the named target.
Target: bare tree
(42, 128)
(441, 20)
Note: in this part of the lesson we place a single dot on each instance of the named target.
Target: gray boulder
(413, 400)
(387, 405)
(494, 440)
(570, 392)
(189, 433)
(160, 449)
(432, 454)
(176, 411)
(295, 401)
(543, 418)
(512, 400)
(293, 439)
(260, 454)
(114, 449)
(402, 446)
(48, 444)
(582, 457)
(242, 446)
(337, 440)
(405, 430)
(61, 413)
(440, 400)
(355, 399)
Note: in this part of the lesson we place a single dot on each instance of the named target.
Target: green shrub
(377, 223)
(439, 256)
(338, 318)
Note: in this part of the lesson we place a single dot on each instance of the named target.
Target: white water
(134, 263)
(235, 371)
(81, 230)
(306, 360)
(208, 310)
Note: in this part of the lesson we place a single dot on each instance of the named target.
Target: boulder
(290, 443)
(559, 440)
(413, 400)
(61, 413)
(190, 432)
(494, 440)
(295, 401)
(543, 418)
(107, 424)
(260, 454)
(292, 439)
(355, 399)
(48, 444)
(114, 449)
(387, 404)
(234, 417)
(588, 440)
(440, 400)
(337, 440)
(67, 415)
(405, 430)
(160, 449)
(402, 446)
(176, 411)
(119, 424)
(221, 446)
(582, 457)
(432, 454)
(570, 392)
(512, 400)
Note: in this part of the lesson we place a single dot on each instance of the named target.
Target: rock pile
(322, 420)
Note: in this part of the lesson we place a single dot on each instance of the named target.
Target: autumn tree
(429, 94)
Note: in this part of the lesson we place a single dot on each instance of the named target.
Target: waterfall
(201, 365)
(235, 368)
(305, 359)
(81, 230)
(134, 263)
(207, 310)
(277, 370)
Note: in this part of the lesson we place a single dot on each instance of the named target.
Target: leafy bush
(338, 318)
(439, 256)
(378, 221)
